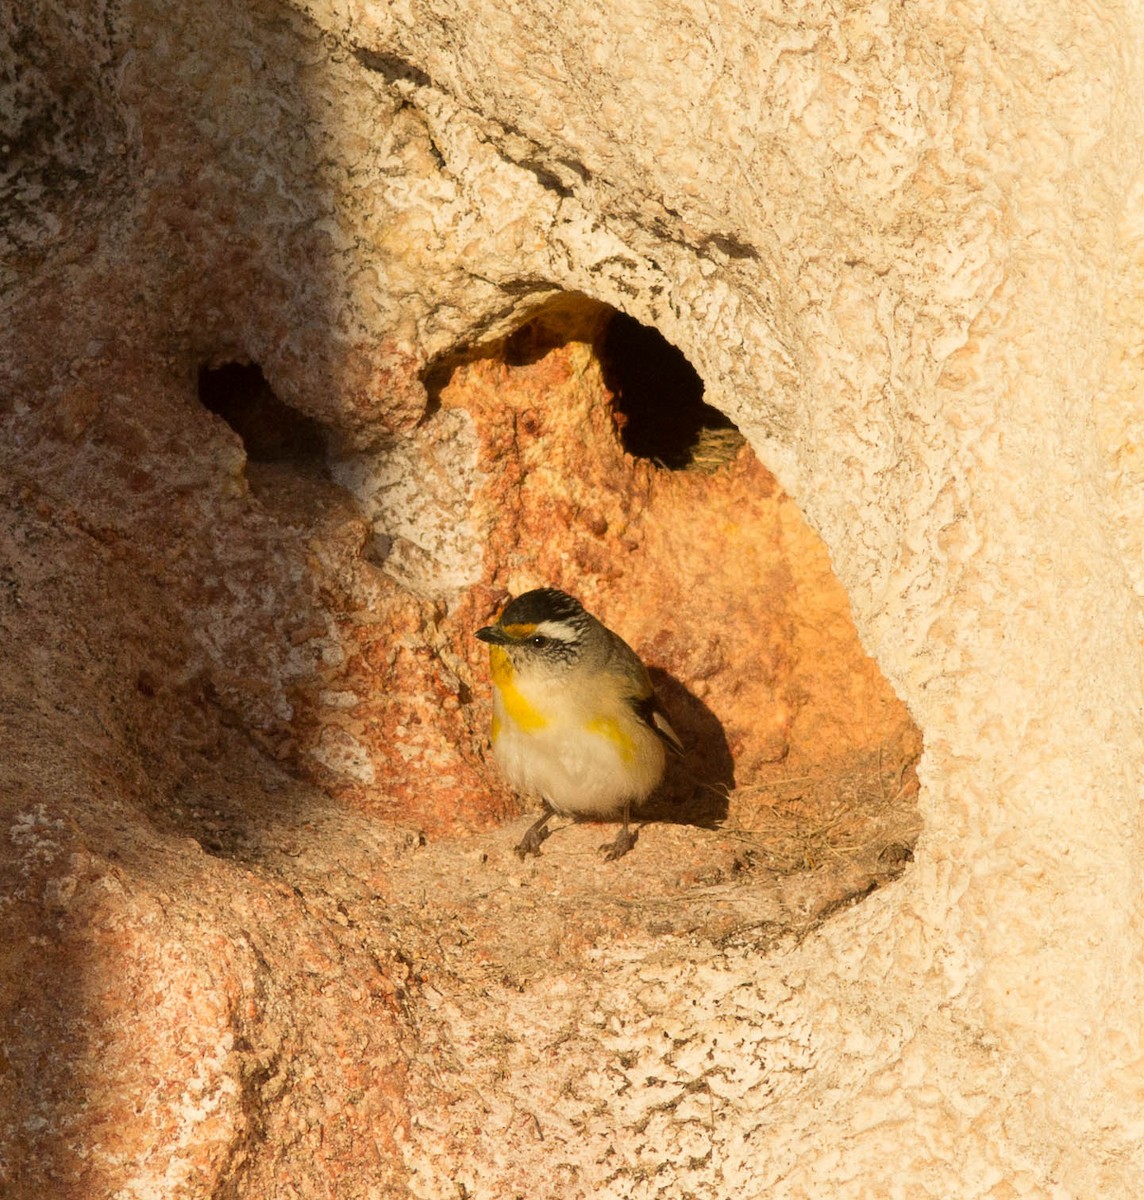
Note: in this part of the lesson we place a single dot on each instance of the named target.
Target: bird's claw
(625, 840)
(531, 842)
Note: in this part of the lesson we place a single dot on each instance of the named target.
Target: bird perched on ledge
(575, 719)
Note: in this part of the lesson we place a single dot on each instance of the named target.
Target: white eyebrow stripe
(560, 631)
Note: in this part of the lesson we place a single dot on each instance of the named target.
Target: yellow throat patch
(516, 707)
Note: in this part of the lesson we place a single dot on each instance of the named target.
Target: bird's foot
(531, 843)
(625, 840)
(534, 836)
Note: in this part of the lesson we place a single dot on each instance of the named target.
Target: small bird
(575, 719)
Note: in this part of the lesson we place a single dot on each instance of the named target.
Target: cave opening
(657, 396)
(271, 431)
(658, 400)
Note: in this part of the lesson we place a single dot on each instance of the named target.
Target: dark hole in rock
(377, 548)
(271, 431)
(659, 400)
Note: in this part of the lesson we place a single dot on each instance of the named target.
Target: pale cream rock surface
(902, 246)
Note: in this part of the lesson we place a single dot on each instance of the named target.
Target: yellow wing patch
(516, 707)
(609, 727)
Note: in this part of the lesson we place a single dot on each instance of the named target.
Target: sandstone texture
(306, 364)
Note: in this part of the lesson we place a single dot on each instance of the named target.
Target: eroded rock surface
(266, 935)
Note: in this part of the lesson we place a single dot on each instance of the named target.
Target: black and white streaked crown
(543, 604)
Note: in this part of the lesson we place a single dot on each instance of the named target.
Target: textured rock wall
(901, 246)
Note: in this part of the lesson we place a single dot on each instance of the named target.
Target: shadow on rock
(696, 788)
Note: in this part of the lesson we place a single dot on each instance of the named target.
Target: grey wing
(643, 701)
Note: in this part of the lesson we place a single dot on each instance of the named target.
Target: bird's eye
(539, 641)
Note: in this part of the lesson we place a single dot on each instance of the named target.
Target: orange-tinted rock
(713, 577)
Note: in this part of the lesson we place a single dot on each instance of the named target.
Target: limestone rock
(265, 931)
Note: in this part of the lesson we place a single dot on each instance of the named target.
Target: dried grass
(817, 821)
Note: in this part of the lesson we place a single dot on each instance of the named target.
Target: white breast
(581, 764)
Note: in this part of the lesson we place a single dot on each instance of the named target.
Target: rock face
(306, 366)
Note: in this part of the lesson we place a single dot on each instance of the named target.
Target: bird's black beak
(493, 635)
